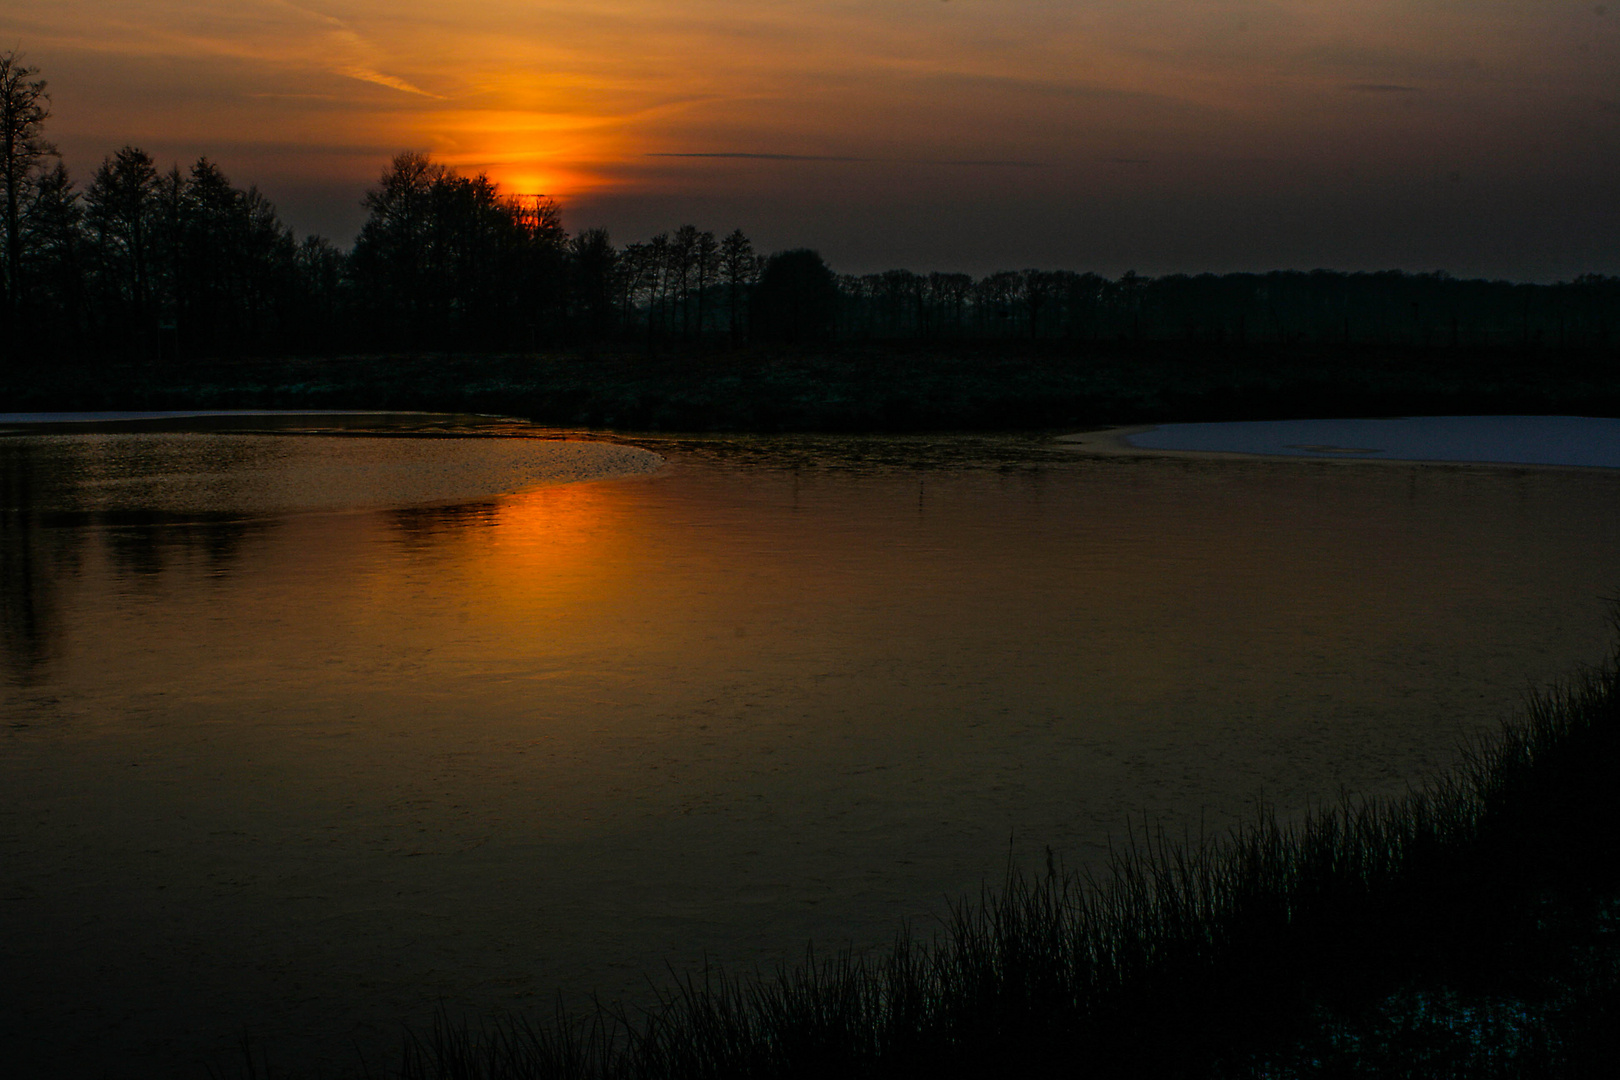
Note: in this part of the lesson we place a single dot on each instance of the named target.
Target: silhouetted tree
(900, 292)
(596, 271)
(269, 266)
(52, 293)
(533, 255)
(739, 270)
(211, 250)
(449, 260)
(796, 298)
(947, 296)
(706, 268)
(635, 275)
(121, 211)
(389, 261)
(995, 298)
(321, 268)
(683, 253)
(24, 108)
(657, 276)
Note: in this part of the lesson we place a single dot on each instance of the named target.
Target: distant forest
(148, 263)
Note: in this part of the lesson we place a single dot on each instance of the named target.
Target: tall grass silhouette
(1190, 956)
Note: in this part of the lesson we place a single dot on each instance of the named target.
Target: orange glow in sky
(1173, 134)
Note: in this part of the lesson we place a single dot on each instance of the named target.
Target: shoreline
(1109, 441)
(867, 388)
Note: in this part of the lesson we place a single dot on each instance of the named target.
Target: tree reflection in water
(46, 519)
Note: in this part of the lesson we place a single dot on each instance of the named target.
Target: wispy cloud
(345, 39)
(381, 79)
(984, 163)
(311, 13)
(992, 163)
(1383, 88)
(760, 157)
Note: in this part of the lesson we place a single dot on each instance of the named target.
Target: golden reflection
(571, 523)
(562, 544)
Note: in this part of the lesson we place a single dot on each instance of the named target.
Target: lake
(313, 722)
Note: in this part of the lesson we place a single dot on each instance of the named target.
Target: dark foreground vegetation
(877, 386)
(152, 287)
(1468, 929)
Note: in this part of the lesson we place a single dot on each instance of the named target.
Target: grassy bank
(872, 387)
(1466, 929)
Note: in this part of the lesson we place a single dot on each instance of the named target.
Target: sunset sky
(1478, 136)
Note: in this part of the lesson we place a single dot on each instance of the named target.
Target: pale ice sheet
(1585, 441)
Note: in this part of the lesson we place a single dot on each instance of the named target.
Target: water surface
(291, 751)
(1581, 441)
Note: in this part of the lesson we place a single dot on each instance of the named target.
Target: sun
(556, 154)
(525, 182)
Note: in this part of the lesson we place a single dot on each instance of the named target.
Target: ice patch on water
(235, 463)
(1592, 442)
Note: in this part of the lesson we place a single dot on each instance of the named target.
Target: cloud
(390, 81)
(761, 157)
(991, 163)
(988, 163)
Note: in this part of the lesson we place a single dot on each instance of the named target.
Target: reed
(1465, 928)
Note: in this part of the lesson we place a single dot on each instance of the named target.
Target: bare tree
(121, 207)
(320, 280)
(391, 254)
(740, 268)
(635, 262)
(948, 294)
(658, 281)
(24, 107)
(683, 250)
(595, 264)
(706, 260)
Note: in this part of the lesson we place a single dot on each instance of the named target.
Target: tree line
(147, 263)
(1283, 307)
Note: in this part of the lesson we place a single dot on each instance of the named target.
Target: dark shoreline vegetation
(1470, 928)
(861, 387)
